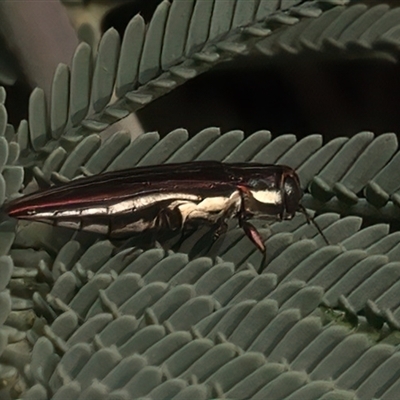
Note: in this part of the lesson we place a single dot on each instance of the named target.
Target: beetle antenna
(311, 220)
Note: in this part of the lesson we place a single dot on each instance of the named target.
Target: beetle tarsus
(263, 263)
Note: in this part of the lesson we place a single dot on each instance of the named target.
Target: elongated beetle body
(168, 197)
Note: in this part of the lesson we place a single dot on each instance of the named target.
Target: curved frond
(356, 172)
(134, 322)
(8, 335)
(358, 28)
(11, 174)
(151, 62)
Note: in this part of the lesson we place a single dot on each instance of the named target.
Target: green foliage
(79, 319)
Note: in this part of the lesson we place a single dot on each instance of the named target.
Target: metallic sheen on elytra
(167, 197)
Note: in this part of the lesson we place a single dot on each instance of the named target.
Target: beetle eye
(293, 194)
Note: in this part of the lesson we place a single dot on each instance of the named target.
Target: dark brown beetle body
(167, 197)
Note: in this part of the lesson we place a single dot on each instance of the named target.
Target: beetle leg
(222, 227)
(224, 215)
(249, 229)
(253, 234)
(170, 219)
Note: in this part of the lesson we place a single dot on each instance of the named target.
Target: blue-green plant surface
(80, 319)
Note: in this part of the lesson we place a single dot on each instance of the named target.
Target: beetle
(168, 197)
